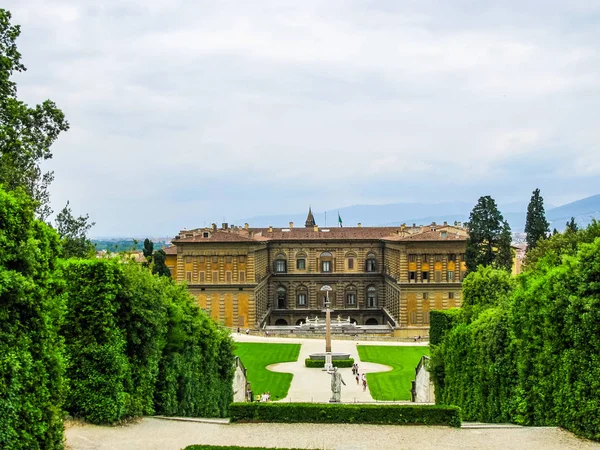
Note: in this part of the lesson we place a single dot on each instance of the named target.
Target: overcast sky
(191, 112)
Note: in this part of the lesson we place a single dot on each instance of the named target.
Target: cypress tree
(536, 225)
(489, 237)
(571, 226)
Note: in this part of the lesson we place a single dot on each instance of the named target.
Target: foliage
(395, 384)
(320, 363)
(536, 225)
(122, 245)
(440, 322)
(160, 266)
(530, 356)
(26, 134)
(257, 356)
(197, 366)
(489, 238)
(152, 349)
(487, 287)
(31, 362)
(142, 317)
(550, 252)
(346, 413)
(571, 226)
(148, 250)
(94, 342)
(73, 233)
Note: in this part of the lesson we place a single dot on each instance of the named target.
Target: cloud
(193, 106)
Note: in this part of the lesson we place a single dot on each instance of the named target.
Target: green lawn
(396, 384)
(256, 357)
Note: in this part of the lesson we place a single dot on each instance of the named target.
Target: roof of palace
(431, 232)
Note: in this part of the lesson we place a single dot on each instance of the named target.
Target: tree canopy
(489, 237)
(73, 232)
(26, 133)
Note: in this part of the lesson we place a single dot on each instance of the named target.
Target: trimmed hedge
(319, 363)
(440, 322)
(346, 413)
(232, 447)
(31, 351)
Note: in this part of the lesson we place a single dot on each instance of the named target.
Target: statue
(336, 385)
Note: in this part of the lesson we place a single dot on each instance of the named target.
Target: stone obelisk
(328, 364)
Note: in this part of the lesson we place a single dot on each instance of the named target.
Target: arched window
(351, 297)
(280, 263)
(371, 297)
(371, 263)
(301, 297)
(371, 321)
(301, 261)
(350, 261)
(326, 262)
(281, 298)
(281, 323)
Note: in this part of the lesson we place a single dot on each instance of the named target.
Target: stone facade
(250, 277)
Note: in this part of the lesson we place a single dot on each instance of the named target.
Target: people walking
(357, 377)
(364, 381)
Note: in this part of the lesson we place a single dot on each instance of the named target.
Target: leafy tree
(148, 250)
(536, 225)
(73, 232)
(31, 350)
(26, 134)
(160, 266)
(489, 237)
(571, 226)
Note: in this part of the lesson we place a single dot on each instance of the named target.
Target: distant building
(250, 277)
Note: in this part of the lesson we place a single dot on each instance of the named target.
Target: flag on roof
(340, 220)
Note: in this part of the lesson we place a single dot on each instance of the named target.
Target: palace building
(252, 277)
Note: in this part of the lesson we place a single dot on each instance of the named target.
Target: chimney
(359, 225)
(214, 227)
(316, 228)
(224, 225)
(291, 225)
(270, 228)
(433, 223)
(414, 225)
(245, 226)
(445, 223)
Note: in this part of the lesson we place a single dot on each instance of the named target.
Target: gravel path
(314, 385)
(155, 434)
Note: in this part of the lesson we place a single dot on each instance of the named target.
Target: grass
(256, 357)
(396, 384)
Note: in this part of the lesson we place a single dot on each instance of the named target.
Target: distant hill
(583, 210)
(395, 214)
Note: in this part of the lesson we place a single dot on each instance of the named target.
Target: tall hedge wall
(31, 360)
(137, 344)
(532, 355)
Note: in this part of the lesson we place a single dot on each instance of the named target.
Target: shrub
(346, 413)
(31, 359)
(320, 363)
